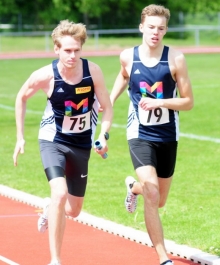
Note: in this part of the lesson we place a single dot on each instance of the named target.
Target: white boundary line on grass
(8, 261)
(186, 135)
(140, 237)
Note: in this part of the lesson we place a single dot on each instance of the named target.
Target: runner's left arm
(104, 100)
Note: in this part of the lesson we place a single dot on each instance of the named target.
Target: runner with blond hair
(74, 86)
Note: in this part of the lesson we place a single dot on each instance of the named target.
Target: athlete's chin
(153, 45)
(70, 65)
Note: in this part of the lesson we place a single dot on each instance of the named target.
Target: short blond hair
(155, 10)
(68, 28)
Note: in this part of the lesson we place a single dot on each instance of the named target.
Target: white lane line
(201, 138)
(6, 107)
(8, 261)
(18, 215)
(12, 109)
(186, 135)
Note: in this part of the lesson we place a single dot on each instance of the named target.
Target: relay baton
(99, 146)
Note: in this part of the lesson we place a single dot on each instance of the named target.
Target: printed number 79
(157, 113)
(81, 122)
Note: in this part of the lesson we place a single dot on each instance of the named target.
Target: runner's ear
(141, 27)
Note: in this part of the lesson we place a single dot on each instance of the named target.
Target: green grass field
(38, 43)
(191, 215)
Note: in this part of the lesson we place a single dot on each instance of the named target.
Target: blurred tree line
(100, 14)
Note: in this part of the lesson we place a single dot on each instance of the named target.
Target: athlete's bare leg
(155, 191)
(61, 204)
(56, 216)
(73, 205)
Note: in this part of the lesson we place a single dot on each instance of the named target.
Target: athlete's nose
(73, 55)
(155, 30)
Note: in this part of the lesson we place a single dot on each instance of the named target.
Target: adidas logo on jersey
(137, 72)
(60, 90)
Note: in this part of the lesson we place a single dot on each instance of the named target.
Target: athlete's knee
(73, 212)
(59, 197)
(162, 203)
(74, 209)
(163, 200)
(151, 194)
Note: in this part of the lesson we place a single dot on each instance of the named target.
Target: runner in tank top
(73, 87)
(71, 113)
(156, 82)
(154, 74)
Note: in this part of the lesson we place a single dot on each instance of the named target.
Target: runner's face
(153, 28)
(69, 52)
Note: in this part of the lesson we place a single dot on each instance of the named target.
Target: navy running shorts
(160, 155)
(66, 161)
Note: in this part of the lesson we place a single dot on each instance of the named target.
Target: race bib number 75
(76, 124)
(153, 117)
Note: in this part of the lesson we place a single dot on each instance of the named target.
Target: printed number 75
(157, 113)
(81, 122)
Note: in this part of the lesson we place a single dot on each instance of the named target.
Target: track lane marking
(18, 215)
(8, 261)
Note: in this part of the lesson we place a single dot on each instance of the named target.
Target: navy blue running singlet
(160, 124)
(71, 113)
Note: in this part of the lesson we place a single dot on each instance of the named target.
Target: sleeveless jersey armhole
(164, 57)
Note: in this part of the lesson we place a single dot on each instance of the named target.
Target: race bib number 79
(76, 124)
(153, 117)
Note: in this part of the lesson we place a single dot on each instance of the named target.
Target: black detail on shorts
(54, 172)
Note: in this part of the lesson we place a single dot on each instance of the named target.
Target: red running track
(51, 54)
(22, 244)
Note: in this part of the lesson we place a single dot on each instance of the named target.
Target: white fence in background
(196, 30)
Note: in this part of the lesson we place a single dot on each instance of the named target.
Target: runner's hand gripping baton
(99, 146)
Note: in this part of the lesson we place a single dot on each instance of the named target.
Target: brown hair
(155, 10)
(68, 28)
